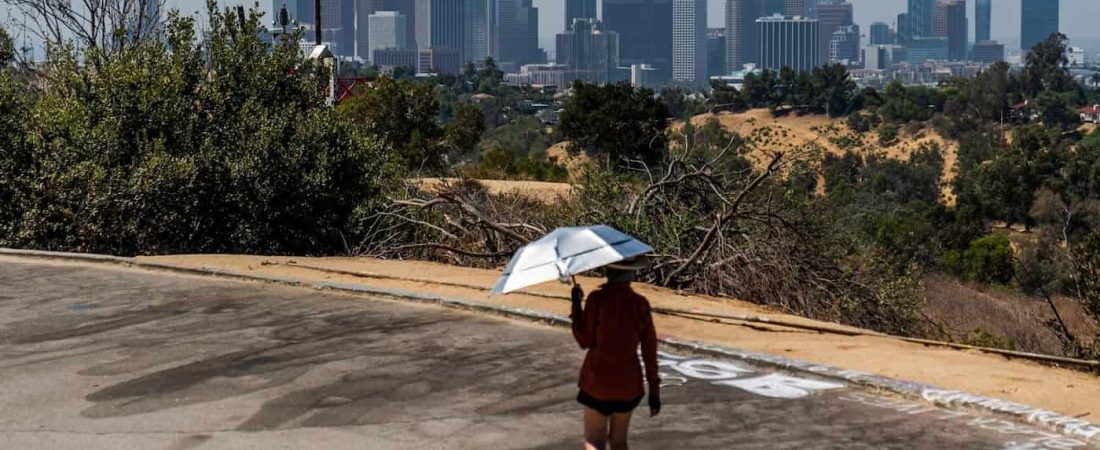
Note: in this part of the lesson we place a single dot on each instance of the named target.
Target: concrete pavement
(96, 357)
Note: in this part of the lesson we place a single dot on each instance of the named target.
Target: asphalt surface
(105, 358)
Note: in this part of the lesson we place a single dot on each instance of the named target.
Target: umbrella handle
(574, 277)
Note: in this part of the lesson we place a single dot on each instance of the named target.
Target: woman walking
(615, 320)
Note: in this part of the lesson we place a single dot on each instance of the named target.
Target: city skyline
(1005, 23)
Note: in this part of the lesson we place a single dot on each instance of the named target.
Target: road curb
(1069, 426)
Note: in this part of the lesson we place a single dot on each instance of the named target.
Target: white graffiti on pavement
(1036, 439)
(723, 373)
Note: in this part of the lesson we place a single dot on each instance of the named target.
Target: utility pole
(317, 20)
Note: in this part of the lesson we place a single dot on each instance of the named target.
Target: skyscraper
(338, 26)
(439, 24)
(788, 42)
(832, 15)
(516, 37)
(645, 31)
(742, 45)
(880, 34)
(363, 10)
(689, 41)
(1039, 21)
(905, 31)
(984, 12)
(796, 7)
(922, 18)
(477, 31)
(951, 23)
(387, 31)
(579, 9)
(587, 47)
(989, 52)
(716, 52)
(844, 45)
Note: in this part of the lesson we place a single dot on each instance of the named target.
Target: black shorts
(608, 408)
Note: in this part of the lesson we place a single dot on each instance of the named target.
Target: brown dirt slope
(1065, 391)
(810, 135)
(540, 190)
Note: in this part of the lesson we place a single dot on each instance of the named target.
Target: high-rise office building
(797, 7)
(689, 41)
(440, 60)
(951, 23)
(477, 31)
(439, 25)
(742, 45)
(516, 36)
(389, 58)
(922, 18)
(716, 52)
(880, 34)
(984, 12)
(832, 15)
(645, 31)
(363, 11)
(878, 57)
(905, 31)
(387, 31)
(921, 50)
(988, 52)
(587, 47)
(338, 26)
(579, 9)
(789, 42)
(1039, 21)
(844, 46)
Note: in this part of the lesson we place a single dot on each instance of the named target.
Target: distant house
(1090, 114)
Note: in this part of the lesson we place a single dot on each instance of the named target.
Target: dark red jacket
(614, 322)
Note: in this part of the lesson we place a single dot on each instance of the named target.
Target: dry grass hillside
(810, 135)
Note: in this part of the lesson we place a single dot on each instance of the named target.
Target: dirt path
(1061, 390)
(543, 191)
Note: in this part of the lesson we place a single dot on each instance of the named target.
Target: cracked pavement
(104, 357)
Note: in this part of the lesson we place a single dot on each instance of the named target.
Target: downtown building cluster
(661, 42)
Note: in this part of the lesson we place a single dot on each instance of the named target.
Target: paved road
(107, 358)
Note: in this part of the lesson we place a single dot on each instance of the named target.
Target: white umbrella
(565, 252)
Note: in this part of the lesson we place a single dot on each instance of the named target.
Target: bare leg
(620, 429)
(595, 430)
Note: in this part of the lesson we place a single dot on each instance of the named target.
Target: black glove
(577, 293)
(654, 405)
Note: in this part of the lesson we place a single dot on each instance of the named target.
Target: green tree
(725, 98)
(14, 157)
(833, 90)
(616, 123)
(402, 114)
(1047, 68)
(989, 259)
(187, 145)
(7, 48)
(464, 132)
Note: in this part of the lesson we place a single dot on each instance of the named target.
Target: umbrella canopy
(565, 252)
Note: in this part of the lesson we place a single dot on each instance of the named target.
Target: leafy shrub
(989, 259)
(887, 135)
(982, 338)
(859, 123)
(185, 145)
